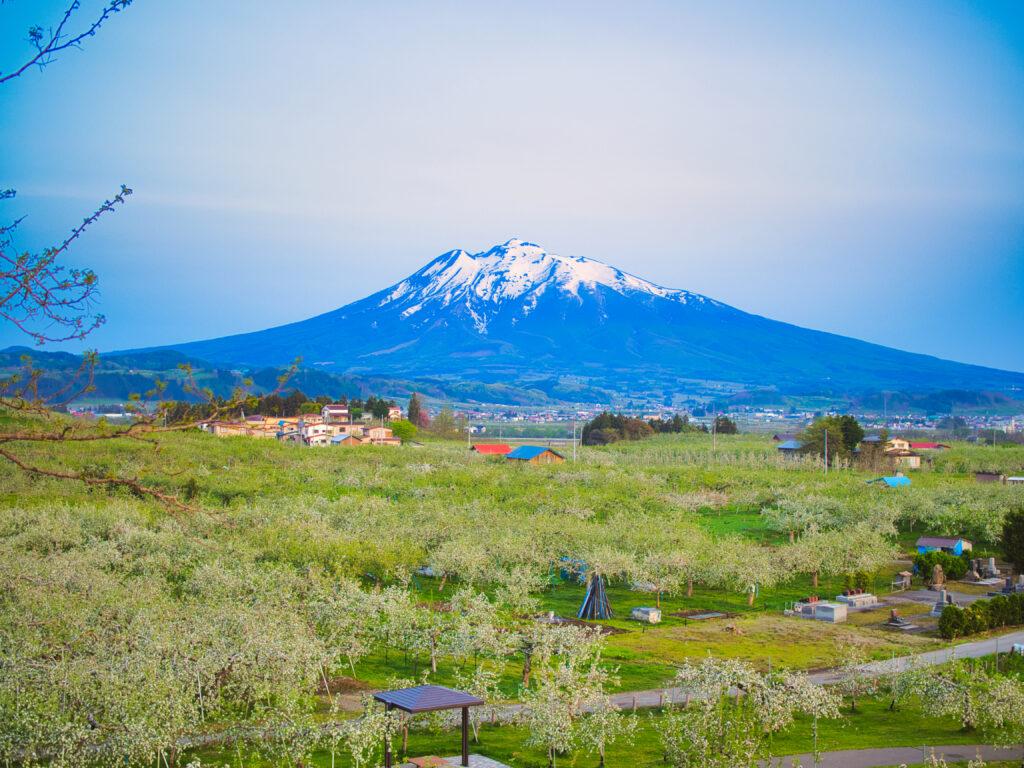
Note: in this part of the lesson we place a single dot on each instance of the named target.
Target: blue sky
(851, 167)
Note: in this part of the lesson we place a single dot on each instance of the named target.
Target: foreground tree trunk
(689, 587)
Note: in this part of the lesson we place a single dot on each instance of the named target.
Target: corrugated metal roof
(790, 445)
(527, 452)
(428, 698)
(939, 541)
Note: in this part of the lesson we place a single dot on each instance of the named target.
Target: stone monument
(938, 581)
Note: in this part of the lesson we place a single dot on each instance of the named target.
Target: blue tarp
(891, 482)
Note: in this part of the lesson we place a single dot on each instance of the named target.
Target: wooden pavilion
(429, 698)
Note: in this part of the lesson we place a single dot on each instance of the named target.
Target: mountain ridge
(516, 311)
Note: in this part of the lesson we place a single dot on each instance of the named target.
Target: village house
(902, 444)
(247, 428)
(315, 434)
(380, 436)
(335, 413)
(318, 439)
(394, 413)
(904, 459)
(346, 440)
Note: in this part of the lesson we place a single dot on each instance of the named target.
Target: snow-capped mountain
(513, 277)
(518, 314)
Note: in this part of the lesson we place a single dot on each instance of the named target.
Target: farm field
(298, 580)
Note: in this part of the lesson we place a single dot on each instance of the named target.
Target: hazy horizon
(852, 169)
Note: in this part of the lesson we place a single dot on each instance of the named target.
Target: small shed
(429, 698)
(536, 454)
(492, 449)
(789, 447)
(955, 545)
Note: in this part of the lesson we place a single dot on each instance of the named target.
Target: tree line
(608, 427)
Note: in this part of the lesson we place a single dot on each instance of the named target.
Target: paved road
(885, 756)
(659, 696)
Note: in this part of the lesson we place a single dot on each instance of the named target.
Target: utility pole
(714, 432)
(826, 450)
(575, 409)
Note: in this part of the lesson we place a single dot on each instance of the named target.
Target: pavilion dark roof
(427, 698)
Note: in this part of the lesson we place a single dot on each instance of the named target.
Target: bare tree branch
(38, 295)
(48, 44)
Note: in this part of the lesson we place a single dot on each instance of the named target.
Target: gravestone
(974, 574)
(938, 578)
(898, 622)
(941, 602)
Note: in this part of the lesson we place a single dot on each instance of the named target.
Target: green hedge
(953, 566)
(982, 615)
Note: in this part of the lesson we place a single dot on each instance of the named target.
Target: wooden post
(387, 743)
(465, 736)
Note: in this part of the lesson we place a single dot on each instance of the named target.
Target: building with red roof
(493, 449)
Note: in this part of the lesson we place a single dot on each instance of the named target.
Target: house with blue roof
(789, 447)
(535, 454)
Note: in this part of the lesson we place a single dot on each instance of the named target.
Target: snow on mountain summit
(516, 271)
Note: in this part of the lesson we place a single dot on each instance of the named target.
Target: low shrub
(982, 615)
